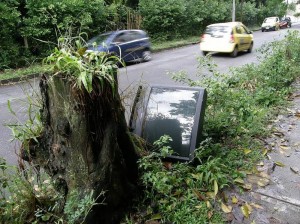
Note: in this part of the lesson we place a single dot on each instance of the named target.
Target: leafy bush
(163, 18)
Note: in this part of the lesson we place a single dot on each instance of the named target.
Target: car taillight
(231, 39)
(202, 37)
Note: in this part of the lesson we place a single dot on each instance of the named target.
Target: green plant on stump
(72, 60)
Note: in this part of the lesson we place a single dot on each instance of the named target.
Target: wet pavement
(273, 195)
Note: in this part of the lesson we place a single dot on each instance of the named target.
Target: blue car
(129, 45)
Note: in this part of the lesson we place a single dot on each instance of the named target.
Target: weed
(72, 60)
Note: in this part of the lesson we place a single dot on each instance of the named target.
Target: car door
(243, 37)
(120, 46)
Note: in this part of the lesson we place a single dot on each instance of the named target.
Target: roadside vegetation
(240, 107)
(29, 30)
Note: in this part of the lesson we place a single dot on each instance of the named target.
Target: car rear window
(99, 39)
(218, 30)
(269, 20)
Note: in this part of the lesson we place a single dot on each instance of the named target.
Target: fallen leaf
(291, 110)
(250, 209)
(294, 169)
(284, 147)
(264, 175)
(208, 205)
(210, 214)
(297, 144)
(224, 197)
(260, 163)
(245, 211)
(210, 195)
(247, 151)
(156, 216)
(265, 152)
(239, 181)
(177, 193)
(269, 157)
(226, 209)
(197, 176)
(247, 186)
(200, 196)
(198, 206)
(279, 164)
(263, 182)
(168, 165)
(278, 133)
(256, 206)
(216, 188)
(234, 200)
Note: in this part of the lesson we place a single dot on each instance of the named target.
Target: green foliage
(72, 60)
(27, 196)
(239, 108)
(172, 189)
(30, 196)
(31, 128)
(163, 17)
(77, 208)
(9, 18)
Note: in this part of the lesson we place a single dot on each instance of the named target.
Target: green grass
(23, 73)
(162, 45)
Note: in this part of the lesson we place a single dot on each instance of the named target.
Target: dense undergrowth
(241, 104)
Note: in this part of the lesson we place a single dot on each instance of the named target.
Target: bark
(86, 145)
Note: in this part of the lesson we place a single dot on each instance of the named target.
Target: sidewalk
(274, 197)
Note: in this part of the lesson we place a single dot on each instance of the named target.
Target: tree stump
(86, 144)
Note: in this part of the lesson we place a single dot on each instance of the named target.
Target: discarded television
(170, 110)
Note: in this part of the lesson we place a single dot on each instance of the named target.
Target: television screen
(174, 111)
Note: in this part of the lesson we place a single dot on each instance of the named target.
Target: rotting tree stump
(86, 144)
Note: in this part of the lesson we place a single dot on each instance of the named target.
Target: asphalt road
(152, 72)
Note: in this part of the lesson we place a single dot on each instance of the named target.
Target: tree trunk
(86, 145)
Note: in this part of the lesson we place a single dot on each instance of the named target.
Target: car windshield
(218, 30)
(99, 40)
(269, 20)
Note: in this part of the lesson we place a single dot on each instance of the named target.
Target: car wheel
(262, 30)
(234, 53)
(146, 55)
(250, 48)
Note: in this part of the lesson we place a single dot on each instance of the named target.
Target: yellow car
(231, 37)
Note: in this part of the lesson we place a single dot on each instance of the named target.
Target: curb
(18, 79)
